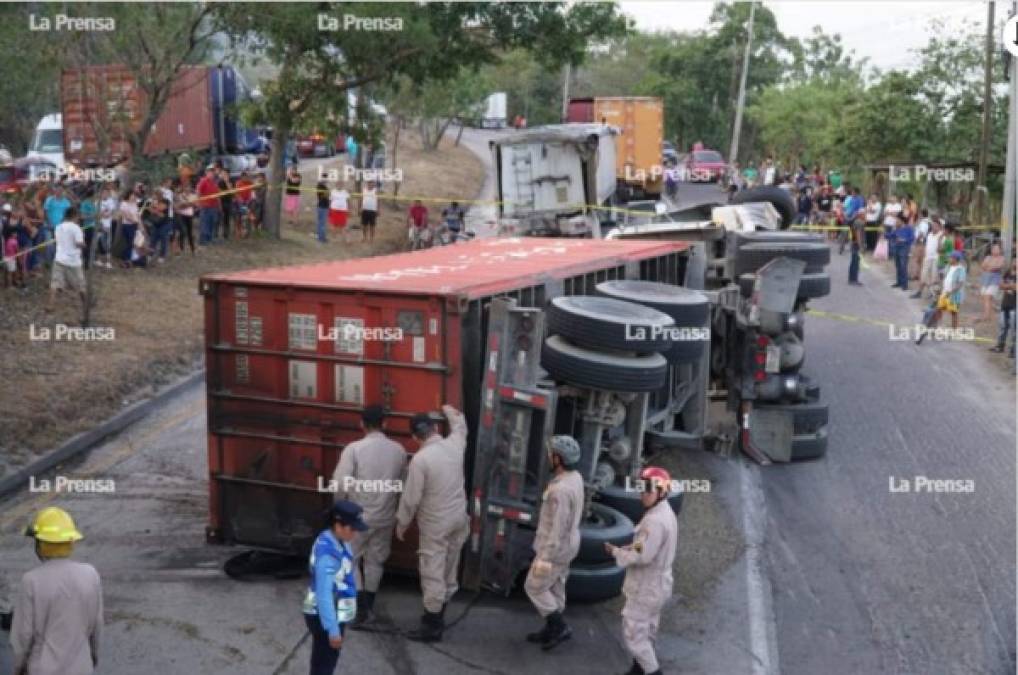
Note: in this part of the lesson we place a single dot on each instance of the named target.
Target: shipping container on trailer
(105, 102)
(640, 120)
(294, 354)
(228, 90)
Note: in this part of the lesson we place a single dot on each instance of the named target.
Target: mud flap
(769, 433)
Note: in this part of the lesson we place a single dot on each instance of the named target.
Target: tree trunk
(395, 156)
(276, 176)
(459, 134)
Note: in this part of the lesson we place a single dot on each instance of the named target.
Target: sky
(884, 31)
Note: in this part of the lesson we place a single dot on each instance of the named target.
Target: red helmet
(658, 478)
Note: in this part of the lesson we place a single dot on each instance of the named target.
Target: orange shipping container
(638, 146)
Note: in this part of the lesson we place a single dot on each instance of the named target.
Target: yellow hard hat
(54, 525)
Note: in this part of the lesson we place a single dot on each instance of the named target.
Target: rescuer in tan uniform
(648, 562)
(557, 541)
(58, 615)
(434, 494)
(370, 473)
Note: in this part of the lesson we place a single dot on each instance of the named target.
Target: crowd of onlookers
(53, 225)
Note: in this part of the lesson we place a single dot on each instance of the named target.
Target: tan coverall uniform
(378, 463)
(57, 619)
(557, 541)
(434, 493)
(648, 562)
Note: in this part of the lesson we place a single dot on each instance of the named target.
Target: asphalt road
(866, 580)
(840, 574)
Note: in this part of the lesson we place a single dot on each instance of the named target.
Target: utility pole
(565, 91)
(1007, 213)
(733, 151)
(978, 214)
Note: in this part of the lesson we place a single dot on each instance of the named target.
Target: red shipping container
(580, 110)
(294, 354)
(106, 103)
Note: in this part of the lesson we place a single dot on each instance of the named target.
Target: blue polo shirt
(852, 205)
(55, 208)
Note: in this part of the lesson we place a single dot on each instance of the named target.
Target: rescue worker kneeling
(557, 541)
(648, 562)
(58, 615)
(331, 600)
(435, 494)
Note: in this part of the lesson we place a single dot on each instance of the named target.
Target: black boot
(365, 610)
(543, 634)
(558, 633)
(430, 630)
(635, 669)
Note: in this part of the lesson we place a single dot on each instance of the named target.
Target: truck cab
(48, 140)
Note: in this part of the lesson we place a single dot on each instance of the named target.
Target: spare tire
(814, 285)
(752, 257)
(607, 323)
(593, 583)
(603, 525)
(689, 309)
(597, 370)
(779, 198)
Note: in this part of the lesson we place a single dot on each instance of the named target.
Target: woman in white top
(108, 207)
(339, 208)
(130, 222)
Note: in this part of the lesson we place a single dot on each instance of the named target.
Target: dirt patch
(54, 389)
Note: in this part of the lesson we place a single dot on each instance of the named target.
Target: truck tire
(780, 199)
(814, 285)
(807, 418)
(809, 446)
(607, 323)
(594, 583)
(751, 257)
(604, 525)
(688, 308)
(627, 502)
(597, 370)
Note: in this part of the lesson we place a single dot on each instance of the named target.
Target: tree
(433, 43)
(823, 57)
(29, 86)
(155, 42)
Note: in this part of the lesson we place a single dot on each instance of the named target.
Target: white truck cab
(48, 141)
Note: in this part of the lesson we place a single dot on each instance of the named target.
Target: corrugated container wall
(105, 103)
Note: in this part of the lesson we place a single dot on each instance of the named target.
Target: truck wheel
(780, 199)
(607, 323)
(593, 583)
(597, 370)
(809, 446)
(689, 309)
(751, 257)
(807, 418)
(815, 285)
(603, 525)
(627, 502)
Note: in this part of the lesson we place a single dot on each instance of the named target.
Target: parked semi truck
(598, 338)
(555, 180)
(102, 105)
(640, 121)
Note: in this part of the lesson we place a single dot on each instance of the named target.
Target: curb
(87, 439)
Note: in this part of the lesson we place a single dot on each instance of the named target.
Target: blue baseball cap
(348, 513)
(956, 255)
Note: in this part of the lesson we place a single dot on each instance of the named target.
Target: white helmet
(5, 156)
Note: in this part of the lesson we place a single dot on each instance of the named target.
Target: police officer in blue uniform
(331, 599)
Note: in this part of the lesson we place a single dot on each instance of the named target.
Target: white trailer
(555, 180)
(494, 111)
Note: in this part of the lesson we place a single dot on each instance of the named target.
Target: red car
(705, 166)
(19, 173)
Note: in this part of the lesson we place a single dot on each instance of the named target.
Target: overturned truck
(529, 337)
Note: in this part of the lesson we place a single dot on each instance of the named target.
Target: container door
(510, 466)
